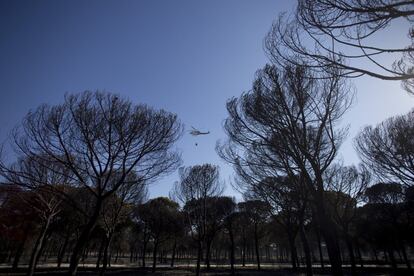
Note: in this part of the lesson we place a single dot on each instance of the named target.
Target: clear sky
(187, 57)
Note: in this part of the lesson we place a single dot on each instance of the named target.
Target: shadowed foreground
(185, 270)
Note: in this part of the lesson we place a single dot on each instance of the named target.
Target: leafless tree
(96, 135)
(388, 149)
(287, 126)
(345, 34)
(197, 184)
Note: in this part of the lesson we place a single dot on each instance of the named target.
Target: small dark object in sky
(196, 132)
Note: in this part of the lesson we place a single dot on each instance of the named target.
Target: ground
(129, 271)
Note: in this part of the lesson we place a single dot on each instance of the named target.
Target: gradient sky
(187, 57)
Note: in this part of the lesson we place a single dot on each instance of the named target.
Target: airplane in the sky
(196, 132)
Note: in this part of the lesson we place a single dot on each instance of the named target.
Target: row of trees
(212, 228)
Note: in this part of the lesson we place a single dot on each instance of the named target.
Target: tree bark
(318, 236)
(173, 253)
(62, 251)
(293, 253)
(244, 250)
(144, 249)
(42, 248)
(101, 249)
(20, 249)
(406, 259)
(154, 255)
(36, 249)
(231, 250)
(333, 251)
(84, 238)
(208, 253)
(327, 227)
(361, 261)
(306, 250)
(199, 252)
(256, 245)
(351, 255)
(375, 254)
(392, 258)
(108, 240)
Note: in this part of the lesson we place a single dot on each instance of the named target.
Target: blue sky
(187, 57)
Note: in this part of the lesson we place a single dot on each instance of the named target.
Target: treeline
(208, 229)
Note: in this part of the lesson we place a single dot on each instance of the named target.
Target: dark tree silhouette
(345, 35)
(230, 214)
(197, 184)
(388, 149)
(117, 209)
(288, 205)
(385, 211)
(287, 125)
(97, 135)
(216, 214)
(162, 217)
(345, 190)
(257, 212)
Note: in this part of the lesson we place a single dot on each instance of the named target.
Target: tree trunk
(173, 253)
(20, 249)
(154, 255)
(36, 249)
(199, 252)
(327, 227)
(375, 255)
(101, 249)
(392, 258)
(208, 250)
(244, 250)
(84, 238)
(351, 255)
(306, 250)
(406, 259)
(108, 240)
(318, 236)
(116, 256)
(293, 253)
(62, 251)
(231, 250)
(144, 249)
(42, 249)
(361, 262)
(333, 251)
(256, 245)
